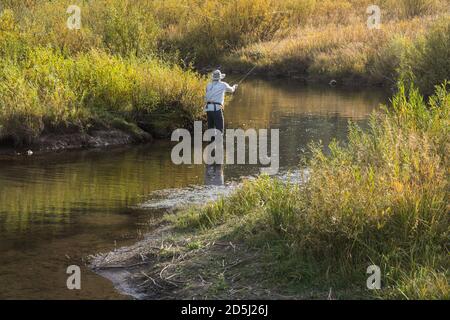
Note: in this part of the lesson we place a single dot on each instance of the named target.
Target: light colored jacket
(215, 93)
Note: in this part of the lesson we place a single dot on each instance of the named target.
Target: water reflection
(214, 175)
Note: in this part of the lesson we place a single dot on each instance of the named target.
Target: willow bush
(380, 199)
(44, 89)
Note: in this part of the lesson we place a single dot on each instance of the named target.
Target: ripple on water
(177, 198)
(182, 197)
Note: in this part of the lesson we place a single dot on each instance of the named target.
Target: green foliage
(381, 199)
(127, 30)
(48, 90)
(213, 29)
(322, 39)
(198, 29)
(428, 63)
(12, 46)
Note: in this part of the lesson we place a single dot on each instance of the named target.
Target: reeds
(44, 89)
(381, 199)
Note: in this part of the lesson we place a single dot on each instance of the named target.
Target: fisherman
(215, 98)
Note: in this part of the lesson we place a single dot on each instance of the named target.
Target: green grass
(427, 62)
(131, 62)
(354, 54)
(380, 199)
(45, 90)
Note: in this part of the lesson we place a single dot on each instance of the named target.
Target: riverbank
(94, 96)
(131, 71)
(382, 199)
(351, 54)
(80, 202)
(59, 142)
(48, 93)
(132, 68)
(170, 264)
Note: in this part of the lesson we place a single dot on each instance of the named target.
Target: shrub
(412, 8)
(215, 28)
(49, 90)
(20, 110)
(428, 63)
(12, 45)
(381, 199)
(128, 30)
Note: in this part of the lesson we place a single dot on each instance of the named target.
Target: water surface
(56, 209)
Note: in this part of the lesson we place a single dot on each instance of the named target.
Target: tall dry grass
(46, 90)
(310, 39)
(352, 53)
(233, 32)
(381, 199)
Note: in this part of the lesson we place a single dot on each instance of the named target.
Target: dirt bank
(94, 139)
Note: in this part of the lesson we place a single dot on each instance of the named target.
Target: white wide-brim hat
(217, 75)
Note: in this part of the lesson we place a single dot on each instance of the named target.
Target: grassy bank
(129, 66)
(343, 48)
(44, 89)
(381, 199)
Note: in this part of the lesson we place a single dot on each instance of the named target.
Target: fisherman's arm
(206, 93)
(230, 89)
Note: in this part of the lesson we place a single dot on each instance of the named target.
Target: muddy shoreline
(165, 265)
(48, 143)
(192, 264)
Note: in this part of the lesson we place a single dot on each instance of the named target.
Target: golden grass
(381, 199)
(334, 51)
(311, 39)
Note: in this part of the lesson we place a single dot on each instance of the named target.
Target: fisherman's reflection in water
(214, 175)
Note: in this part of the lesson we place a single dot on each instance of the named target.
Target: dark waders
(215, 121)
(215, 118)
